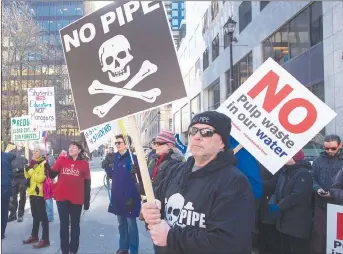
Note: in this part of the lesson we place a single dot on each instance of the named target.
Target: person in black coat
(291, 204)
(336, 190)
(268, 235)
(208, 205)
(6, 188)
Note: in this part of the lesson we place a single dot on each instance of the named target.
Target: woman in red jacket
(71, 192)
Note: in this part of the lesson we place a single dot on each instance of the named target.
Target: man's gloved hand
(134, 169)
(273, 209)
(86, 206)
(140, 189)
(26, 167)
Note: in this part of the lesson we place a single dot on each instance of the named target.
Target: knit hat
(299, 156)
(220, 122)
(165, 137)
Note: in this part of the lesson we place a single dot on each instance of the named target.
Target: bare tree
(26, 48)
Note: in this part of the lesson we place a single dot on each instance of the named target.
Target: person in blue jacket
(125, 200)
(249, 166)
(6, 188)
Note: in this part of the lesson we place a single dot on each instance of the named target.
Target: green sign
(21, 130)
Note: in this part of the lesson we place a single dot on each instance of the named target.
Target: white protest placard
(98, 135)
(334, 236)
(21, 130)
(41, 106)
(273, 115)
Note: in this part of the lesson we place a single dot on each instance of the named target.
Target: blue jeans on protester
(128, 234)
(66, 210)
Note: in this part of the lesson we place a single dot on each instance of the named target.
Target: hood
(176, 154)
(299, 165)
(223, 159)
(339, 155)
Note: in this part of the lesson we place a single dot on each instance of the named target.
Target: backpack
(47, 187)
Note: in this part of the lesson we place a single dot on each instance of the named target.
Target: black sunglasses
(118, 143)
(204, 132)
(159, 143)
(330, 148)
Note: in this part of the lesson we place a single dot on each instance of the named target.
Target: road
(99, 229)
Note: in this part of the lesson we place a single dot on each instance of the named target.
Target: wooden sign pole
(27, 150)
(141, 160)
(237, 148)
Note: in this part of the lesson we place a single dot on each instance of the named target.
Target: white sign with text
(21, 130)
(334, 236)
(41, 105)
(274, 116)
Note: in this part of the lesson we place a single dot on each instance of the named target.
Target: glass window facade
(215, 47)
(176, 13)
(296, 36)
(205, 60)
(245, 15)
(242, 70)
(214, 97)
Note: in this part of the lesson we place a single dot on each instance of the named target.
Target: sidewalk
(99, 229)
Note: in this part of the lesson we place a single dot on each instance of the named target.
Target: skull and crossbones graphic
(115, 58)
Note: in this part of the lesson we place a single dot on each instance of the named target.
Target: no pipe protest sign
(274, 115)
(121, 60)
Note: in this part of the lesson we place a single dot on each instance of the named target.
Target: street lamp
(229, 28)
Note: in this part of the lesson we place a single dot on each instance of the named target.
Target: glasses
(330, 148)
(118, 143)
(205, 132)
(159, 143)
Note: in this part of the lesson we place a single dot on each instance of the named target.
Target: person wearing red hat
(291, 205)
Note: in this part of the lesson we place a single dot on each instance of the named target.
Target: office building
(176, 13)
(304, 37)
(51, 17)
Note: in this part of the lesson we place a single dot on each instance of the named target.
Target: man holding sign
(209, 205)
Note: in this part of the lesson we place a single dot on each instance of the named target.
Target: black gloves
(140, 189)
(130, 204)
(134, 169)
(26, 167)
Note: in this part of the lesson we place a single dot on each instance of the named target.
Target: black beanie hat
(220, 122)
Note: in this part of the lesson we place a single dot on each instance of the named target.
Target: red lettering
(340, 226)
(272, 99)
(304, 125)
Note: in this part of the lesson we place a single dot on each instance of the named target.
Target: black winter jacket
(210, 210)
(18, 164)
(269, 182)
(336, 190)
(293, 195)
(324, 171)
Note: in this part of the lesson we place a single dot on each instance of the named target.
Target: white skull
(114, 55)
(173, 208)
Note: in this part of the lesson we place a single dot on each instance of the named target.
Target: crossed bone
(146, 70)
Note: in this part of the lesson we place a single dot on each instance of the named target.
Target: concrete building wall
(264, 23)
(333, 62)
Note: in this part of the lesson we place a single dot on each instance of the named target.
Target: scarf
(157, 165)
(35, 162)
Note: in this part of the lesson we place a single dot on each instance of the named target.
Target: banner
(21, 130)
(41, 106)
(121, 60)
(274, 116)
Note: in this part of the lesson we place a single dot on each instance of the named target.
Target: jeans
(66, 209)
(38, 211)
(5, 200)
(128, 234)
(18, 186)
